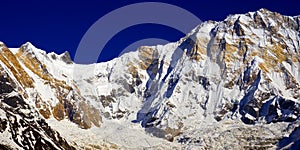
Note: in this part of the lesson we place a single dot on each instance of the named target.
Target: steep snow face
(224, 82)
(245, 68)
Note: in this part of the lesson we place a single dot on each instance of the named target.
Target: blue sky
(59, 25)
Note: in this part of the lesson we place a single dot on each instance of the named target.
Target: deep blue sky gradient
(59, 25)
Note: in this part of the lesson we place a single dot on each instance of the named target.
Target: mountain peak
(264, 11)
(65, 57)
(28, 46)
(2, 44)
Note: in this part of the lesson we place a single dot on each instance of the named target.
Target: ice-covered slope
(233, 84)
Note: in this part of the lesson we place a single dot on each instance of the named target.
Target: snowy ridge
(229, 84)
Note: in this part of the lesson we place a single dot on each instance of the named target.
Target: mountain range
(232, 84)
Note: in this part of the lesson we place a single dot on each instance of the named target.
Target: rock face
(22, 124)
(37, 95)
(229, 84)
(61, 104)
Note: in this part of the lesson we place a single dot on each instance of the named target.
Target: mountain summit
(230, 84)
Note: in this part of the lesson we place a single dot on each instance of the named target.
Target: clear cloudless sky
(59, 25)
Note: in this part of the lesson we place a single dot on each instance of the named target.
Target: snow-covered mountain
(232, 84)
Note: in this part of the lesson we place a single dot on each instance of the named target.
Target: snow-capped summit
(230, 84)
